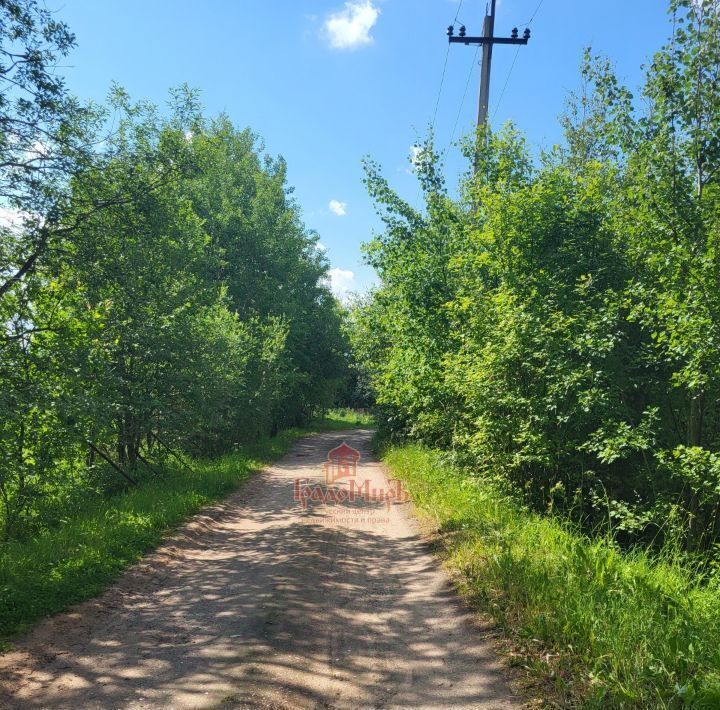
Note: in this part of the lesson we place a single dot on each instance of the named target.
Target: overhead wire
(537, 9)
(444, 70)
(442, 80)
(514, 61)
(464, 96)
(507, 81)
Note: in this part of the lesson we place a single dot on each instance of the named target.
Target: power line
(512, 66)
(462, 102)
(444, 69)
(507, 80)
(487, 41)
(442, 81)
(537, 9)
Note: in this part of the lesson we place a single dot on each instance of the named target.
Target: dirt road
(260, 604)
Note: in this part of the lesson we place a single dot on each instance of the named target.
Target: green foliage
(100, 536)
(554, 329)
(158, 289)
(45, 137)
(557, 323)
(608, 628)
(343, 418)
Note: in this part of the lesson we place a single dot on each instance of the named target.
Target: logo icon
(342, 487)
(341, 463)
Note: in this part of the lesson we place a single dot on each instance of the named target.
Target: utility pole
(487, 52)
(487, 41)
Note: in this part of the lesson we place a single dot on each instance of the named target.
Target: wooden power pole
(487, 51)
(487, 41)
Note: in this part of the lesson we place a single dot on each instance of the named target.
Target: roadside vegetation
(161, 301)
(160, 296)
(344, 418)
(554, 327)
(104, 534)
(588, 621)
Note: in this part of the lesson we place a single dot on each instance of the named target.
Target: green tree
(557, 324)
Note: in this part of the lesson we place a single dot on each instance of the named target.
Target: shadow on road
(260, 604)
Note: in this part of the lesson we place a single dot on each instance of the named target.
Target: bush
(611, 628)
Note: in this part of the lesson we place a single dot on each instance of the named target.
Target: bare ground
(259, 604)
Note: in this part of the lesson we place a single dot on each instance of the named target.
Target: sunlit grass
(621, 629)
(78, 559)
(338, 419)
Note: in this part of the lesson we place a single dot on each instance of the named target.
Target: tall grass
(77, 560)
(606, 628)
(337, 419)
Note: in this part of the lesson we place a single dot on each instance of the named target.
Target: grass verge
(603, 627)
(79, 559)
(338, 419)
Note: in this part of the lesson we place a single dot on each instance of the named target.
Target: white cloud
(416, 157)
(40, 150)
(12, 219)
(338, 208)
(706, 5)
(350, 27)
(341, 282)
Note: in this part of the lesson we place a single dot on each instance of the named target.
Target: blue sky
(325, 82)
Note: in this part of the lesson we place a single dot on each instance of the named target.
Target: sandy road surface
(259, 604)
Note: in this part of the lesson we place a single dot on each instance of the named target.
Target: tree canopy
(557, 324)
(158, 288)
